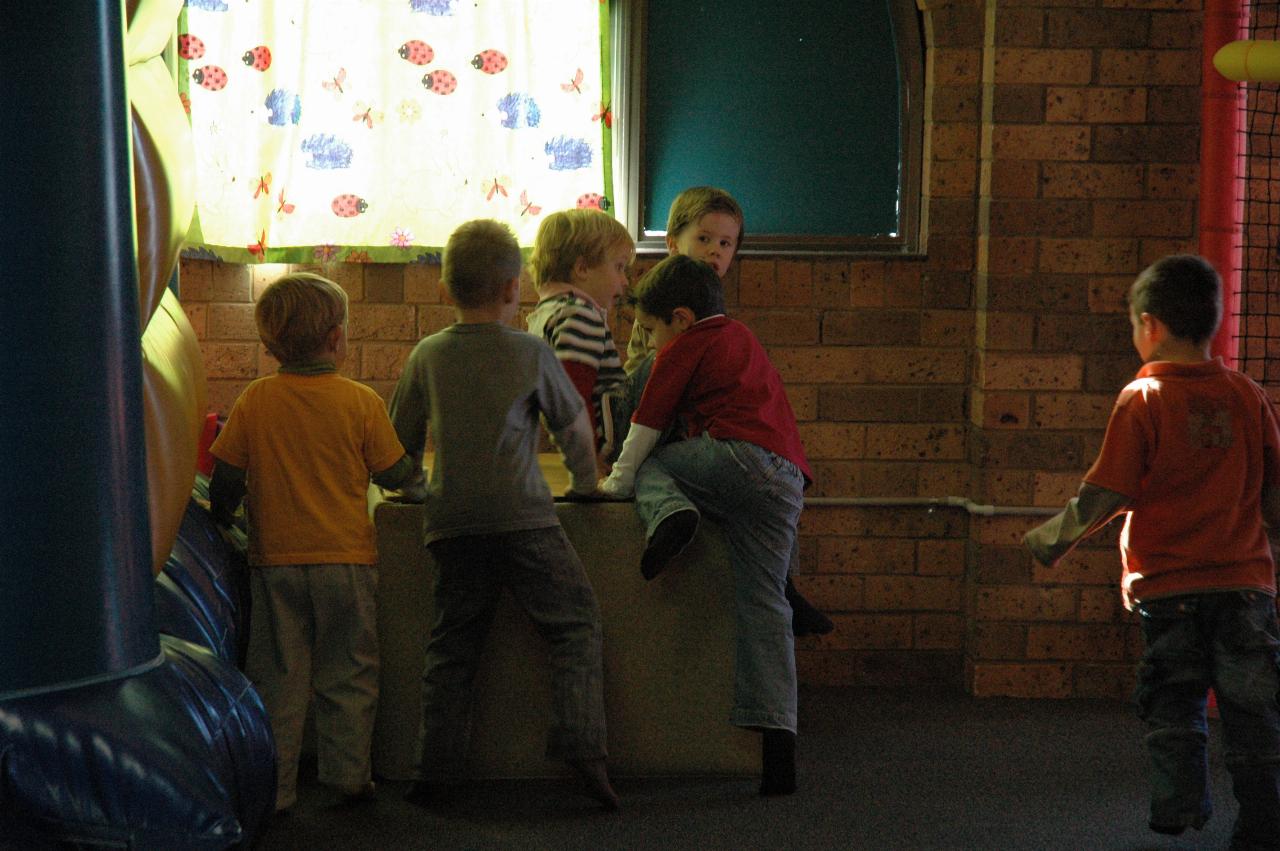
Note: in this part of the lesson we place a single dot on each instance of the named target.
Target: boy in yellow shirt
(302, 443)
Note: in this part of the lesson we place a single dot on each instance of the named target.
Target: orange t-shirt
(1192, 445)
(308, 444)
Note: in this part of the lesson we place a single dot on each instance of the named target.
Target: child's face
(713, 239)
(662, 332)
(605, 281)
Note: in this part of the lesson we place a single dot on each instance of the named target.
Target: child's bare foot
(670, 538)
(596, 778)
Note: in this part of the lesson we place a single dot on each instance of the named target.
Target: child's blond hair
(481, 257)
(695, 202)
(295, 314)
(567, 235)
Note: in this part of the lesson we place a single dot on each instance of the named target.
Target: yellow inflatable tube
(1255, 61)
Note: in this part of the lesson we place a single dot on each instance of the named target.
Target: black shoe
(669, 540)
(777, 762)
(1168, 829)
(595, 779)
(805, 619)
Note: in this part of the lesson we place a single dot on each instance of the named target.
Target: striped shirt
(577, 329)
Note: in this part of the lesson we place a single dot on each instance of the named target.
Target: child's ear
(512, 291)
(579, 270)
(1155, 329)
(671, 244)
(334, 337)
(683, 318)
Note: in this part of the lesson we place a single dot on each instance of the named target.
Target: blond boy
(302, 443)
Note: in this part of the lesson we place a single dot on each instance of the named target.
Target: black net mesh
(1257, 308)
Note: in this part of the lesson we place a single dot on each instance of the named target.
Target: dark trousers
(543, 573)
(1228, 641)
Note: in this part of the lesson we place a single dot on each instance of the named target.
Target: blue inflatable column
(76, 587)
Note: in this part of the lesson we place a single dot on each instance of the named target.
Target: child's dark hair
(1184, 292)
(480, 258)
(295, 314)
(695, 202)
(679, 281)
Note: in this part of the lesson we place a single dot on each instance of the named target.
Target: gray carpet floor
(878, 770)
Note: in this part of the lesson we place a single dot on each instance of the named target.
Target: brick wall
(1061, 156)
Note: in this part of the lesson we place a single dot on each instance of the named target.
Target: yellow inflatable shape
(1252, 60)
(173, 398)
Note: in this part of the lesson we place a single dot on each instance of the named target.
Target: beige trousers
(313, 630)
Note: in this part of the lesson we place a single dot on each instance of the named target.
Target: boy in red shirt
(1191, 456)
(741, 463)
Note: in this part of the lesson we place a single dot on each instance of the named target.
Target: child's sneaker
(596, 778)
(669, 540)
(777, 762)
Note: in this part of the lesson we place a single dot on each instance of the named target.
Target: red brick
(1107, 293)
(832, 283)
(869, 365)
(1002, 410)
(931, 593)
(1039, 65)
(1100, 605)
(832, 592)
(1084, 256)
(422, 283)
(382, 322)
(944, 479)
(795, 283)
(1010, 680)
(1049, 142)
(1008, 255)
(912, 442)
(1096, 105)
(954, 142)
(869, 632)
(871, 328)
(1015, 178)
(1023, 603)
(1091, 180)
(867, 281)
(956, 66)
(195, 279)
(383, 361)
(794, 327)
(1075, 642)
(757, 282)
(433, 318)
(1007, 487)
(229, 282)
(938, 632)
(1096, 28)
(1149, 67)
(894, 478)
(384, 282)
(865, 555)
(1006, 331)
(956, 103)
(1031, 372)
(1019, 27)
(230, 360)
(1047, 216)
(231, 321)
(998, 641)
(940, 558)
(1072, 410)
(198, 316)
(953, 178)
(1175, 29)
(1173, 181)
(1130, 143)
(1143, 218)
(1052, 490)
(1114, 682)
(833, 440)
(804, 401)
(943, 328)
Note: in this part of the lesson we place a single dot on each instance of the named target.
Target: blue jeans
(1228, 641)
(548, 581)
(756, 497)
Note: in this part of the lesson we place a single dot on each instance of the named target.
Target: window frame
(627, 40)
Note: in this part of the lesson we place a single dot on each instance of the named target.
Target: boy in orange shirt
(303, 443)
(1191, 457)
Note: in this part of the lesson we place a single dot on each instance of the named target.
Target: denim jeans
(756, 496)
(547, 580)
(1227, 641)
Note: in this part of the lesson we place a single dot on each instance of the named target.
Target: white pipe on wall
(930, 502)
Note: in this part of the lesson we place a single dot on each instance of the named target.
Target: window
(808, 112)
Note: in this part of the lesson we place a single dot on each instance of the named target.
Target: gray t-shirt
(481, 388)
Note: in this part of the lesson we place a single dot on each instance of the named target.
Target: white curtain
(366, 130)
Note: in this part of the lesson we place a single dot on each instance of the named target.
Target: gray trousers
(543, 573)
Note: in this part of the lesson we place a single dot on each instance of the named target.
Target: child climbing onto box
(706, 223)
(742, 463)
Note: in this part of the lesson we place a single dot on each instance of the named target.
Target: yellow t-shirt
(308, 444)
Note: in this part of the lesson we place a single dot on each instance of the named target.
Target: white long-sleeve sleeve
(577, 443)
(622, 479)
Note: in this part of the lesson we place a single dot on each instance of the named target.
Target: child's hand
(414, 493)
(613, 488)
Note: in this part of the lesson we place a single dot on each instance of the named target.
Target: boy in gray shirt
(480, 388)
